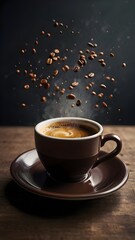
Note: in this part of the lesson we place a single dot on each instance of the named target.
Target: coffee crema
(67, 130)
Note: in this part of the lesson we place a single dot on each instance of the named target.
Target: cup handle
(114, 152)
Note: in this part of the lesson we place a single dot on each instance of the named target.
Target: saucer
(106, 178)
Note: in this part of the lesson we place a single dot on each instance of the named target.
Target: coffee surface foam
(67, 130)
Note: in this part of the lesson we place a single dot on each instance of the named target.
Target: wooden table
(24, 215)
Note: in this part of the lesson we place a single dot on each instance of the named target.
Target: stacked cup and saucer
(68, 162)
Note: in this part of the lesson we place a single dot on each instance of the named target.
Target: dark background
(110, 24)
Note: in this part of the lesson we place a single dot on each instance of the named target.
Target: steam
(63, 107)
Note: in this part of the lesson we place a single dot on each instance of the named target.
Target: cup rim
(52, 120)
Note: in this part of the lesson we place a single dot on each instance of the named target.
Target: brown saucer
(106, 178)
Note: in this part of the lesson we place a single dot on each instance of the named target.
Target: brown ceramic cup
(72, 158)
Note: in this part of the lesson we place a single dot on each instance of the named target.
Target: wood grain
(26, 216)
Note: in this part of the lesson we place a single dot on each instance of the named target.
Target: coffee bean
(34, 50)
(23, 104)
(96, 106)
(91, 57)
(42, 32)
(65, 68)
(94, 93)
(112, 54)
(107, 77)
(76, 68)
(81, 62)
(55, 72)
(91, 75)
(124, 65)
(56, 24)
(26, 86)
(100, 95)
(62, 91)
(71, 87)
(55, 58)
(101, 53)
(25, 71)
(113, 79)
(36, 42)
(78, 103)
(56, 50)
(43, 81)
(104, 104)
(94, 55)
(103, 64)
(90, 85)
(56, 88)
(61, 24)
(74, 84)
(48, 34)
(87, 51)
(87, 87)
(111, 96)
(23, 51)
(101, 60)
(71, 96)
(81, 52)
(82, 57)
(18, 71)
(102, 85)
(52, 54)
(47, 85)
(49, 61)
(43, 99)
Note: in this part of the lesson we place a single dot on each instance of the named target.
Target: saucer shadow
(52, 208)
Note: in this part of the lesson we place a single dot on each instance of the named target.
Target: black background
(110, 24)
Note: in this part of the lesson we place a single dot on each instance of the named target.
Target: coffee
(67, 130)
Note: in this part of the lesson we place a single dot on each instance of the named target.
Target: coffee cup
(69, 147)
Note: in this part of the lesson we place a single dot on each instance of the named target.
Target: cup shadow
(52, 208)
